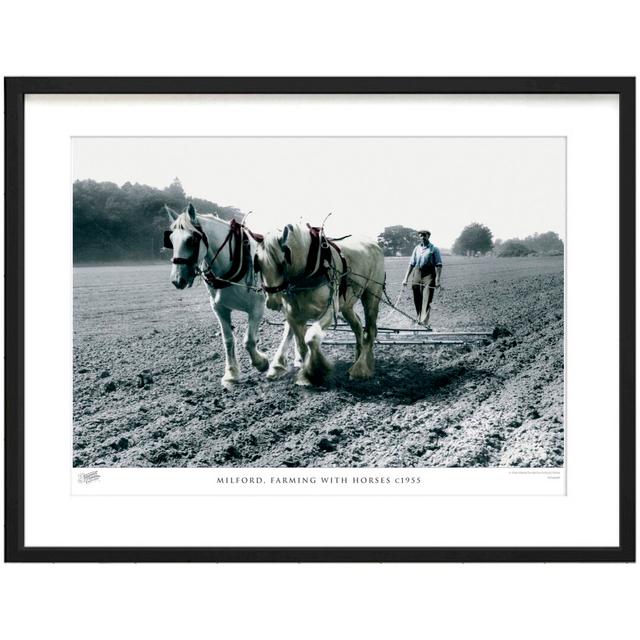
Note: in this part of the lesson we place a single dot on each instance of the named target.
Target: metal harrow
(341, 334)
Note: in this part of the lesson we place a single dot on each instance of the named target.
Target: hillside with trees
(112, 223)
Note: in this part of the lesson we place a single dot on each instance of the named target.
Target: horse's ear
(283, 243)
(285, 235)
(192, 211)
(256, 264)
(173, 216)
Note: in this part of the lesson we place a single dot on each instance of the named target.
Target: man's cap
(421, 231)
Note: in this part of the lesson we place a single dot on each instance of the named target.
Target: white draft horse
(222, 253)
(313, 278)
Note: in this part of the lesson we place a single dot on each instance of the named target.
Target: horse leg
(298, 360)
(278, 365)
(258, 359)
(316, 367)
(298, 329)
(365, 365)
(371, 304)
(356, 326)
(231, 369)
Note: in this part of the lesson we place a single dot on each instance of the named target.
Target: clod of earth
(232, 453)
(500, 332)
(325, 444)
(120, 445)
(144, 379)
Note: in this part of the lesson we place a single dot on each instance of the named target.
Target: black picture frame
(15, 91)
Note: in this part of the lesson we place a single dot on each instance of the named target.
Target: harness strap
(342, 287)
(320, 257)
(258, 237)
(277, 289)
(319, 260)
(239, 263)
(317, 253)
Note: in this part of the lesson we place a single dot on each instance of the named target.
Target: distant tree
(474, 237)
(548, 242)
(175, 189)
(398, 240)
(513, 248)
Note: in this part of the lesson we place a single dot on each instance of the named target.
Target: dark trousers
(422, 287)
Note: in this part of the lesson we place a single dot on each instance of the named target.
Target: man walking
(426, 265)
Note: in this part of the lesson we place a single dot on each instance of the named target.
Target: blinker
(167, 240)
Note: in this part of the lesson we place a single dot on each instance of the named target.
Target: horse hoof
(261, 365)
(314, 377)
(276, 372)
(302, 380)
(359, 373)
(228, 382)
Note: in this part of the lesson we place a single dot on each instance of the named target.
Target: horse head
(275, 260)
(188, 242)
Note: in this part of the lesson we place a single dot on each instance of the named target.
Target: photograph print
(319, 302)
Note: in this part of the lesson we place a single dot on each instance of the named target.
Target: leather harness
(316, 271)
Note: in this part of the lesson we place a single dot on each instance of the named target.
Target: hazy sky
(516, 186)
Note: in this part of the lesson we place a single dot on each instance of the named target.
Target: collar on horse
(317, 269)
(238, 241)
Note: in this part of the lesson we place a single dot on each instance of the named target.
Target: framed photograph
(320, 319)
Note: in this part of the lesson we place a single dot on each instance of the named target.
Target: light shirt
(426, 256)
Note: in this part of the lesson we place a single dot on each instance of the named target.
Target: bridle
(199, 235)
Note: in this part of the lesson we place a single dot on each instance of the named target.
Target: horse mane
(183, 221)
(212, 216)
(272, 249)
(298, 240)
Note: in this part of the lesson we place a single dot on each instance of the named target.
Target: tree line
(474, 239)
(112, 223)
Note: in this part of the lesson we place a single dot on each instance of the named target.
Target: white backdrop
(372, 38)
